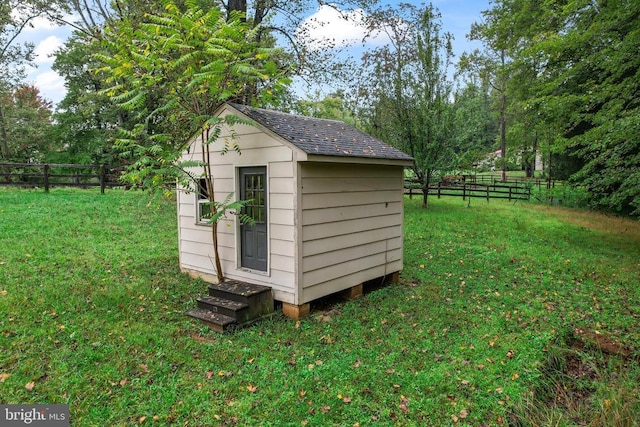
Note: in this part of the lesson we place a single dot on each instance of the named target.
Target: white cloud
(51, 85)
(331, 26)
(46, 48)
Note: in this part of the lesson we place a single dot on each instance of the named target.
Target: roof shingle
(322, 136)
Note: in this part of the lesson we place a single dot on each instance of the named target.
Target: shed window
(202, 202)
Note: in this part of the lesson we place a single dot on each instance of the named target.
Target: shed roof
(322, 136)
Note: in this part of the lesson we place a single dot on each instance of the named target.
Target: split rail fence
(486, 187)
(60, 175)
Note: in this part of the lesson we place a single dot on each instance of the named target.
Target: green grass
(92, 302)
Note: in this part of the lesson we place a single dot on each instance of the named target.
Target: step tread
(223, 302)
(239, 288)
(210, 317)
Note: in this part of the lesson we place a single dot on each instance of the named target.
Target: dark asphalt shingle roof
(322, 136)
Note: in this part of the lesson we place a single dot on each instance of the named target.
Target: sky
(457, 17)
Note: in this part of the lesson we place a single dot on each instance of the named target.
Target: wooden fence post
(103, 182)
(464, 191)
(46, 178)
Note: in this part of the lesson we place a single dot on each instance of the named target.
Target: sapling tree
(407, 96)
(185, 63)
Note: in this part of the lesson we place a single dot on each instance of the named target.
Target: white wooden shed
(327, 200)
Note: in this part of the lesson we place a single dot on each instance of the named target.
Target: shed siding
(351, 226)
(196, 253)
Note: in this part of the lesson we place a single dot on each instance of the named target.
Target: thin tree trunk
(206, 158)
(503, 123)
(534, 155)
(426, 180)
(4, 143)
(236, 6)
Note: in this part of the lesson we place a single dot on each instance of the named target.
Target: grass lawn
(505, 313)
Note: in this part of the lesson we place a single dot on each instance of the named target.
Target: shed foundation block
(296, 312)
(353, 292)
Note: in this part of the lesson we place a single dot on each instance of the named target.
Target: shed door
(253, 238)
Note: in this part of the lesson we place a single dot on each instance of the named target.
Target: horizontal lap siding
(196, 253)
(351, 225)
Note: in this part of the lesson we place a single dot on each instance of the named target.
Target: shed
(328, 204)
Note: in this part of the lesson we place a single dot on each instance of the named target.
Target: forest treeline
(556, 81)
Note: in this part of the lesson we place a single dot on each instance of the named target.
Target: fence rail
(48, 175)
(490, 190)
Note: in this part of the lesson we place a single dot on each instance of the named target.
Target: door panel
(253, 238)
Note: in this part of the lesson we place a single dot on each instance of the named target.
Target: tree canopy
(575, 76)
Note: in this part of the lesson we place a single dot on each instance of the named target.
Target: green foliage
(219, 210)
(26, 123)
(333, 106)
(475, 126)
(574, 77)
(172, 71)
(485, 295)
(408, 92)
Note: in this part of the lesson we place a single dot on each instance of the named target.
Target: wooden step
(238, 291)
(239, 311)
(217, 322)
(258, 297)
(233, 303)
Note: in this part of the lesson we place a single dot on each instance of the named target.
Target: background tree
(491, 64)
(85, 120)
(591, 81)
(15, 16)
(575, 74)
(333, 106)
(475, 127)
(28, 119)
(408, 96)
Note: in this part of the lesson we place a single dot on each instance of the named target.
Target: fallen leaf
(357, 364)
(515, 376)
(346, 399)
(141, 419)
(4, 376)
(30, 385)
(510, 354)
(209, 375)
(325, 409)
(252, 388)
(3, 292)
(454, 418)
(463, 414)
(123, 381)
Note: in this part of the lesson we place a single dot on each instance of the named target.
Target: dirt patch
(588, 338)
(571, 382)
